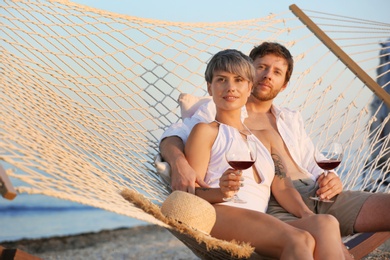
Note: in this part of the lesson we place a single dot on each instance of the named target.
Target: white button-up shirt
(292, 130)
(290, 126)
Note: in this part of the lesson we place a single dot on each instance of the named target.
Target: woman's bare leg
(268, 235)
(326, 232)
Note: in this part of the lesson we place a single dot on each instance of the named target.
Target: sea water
(38, 216)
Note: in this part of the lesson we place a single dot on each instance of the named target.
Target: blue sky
(232, 10)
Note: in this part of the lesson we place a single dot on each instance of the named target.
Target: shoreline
(139, 242)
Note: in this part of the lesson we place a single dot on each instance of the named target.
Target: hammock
(86, 95)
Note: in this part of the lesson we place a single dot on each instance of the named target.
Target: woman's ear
(250, 88)
(209, 89)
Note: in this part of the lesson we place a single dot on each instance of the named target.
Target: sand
(142, 242)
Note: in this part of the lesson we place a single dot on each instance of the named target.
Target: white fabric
(190, 116)
(205, 113)
(193, 111)
(255, 194)
(189, 104)
(163, 169)
(290, 126)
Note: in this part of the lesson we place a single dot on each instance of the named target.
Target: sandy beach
(142, 242)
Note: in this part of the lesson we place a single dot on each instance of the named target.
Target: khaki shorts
(345, 208)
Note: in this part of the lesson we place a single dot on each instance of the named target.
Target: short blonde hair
(232, 61)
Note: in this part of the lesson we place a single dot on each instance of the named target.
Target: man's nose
(266, 74)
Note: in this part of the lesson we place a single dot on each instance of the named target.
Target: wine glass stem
(326, 173)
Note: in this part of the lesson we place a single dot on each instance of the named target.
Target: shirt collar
(277, 111)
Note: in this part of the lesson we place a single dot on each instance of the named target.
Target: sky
(231, 10)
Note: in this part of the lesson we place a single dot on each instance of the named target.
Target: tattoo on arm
(279, 168)
(203, 189)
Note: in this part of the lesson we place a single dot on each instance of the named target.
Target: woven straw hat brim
(190, 210)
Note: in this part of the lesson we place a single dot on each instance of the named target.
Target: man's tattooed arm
(279, 168)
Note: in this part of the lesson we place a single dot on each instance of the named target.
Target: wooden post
(15, 254)
(6, 188)
(365, 243)
(333, 47)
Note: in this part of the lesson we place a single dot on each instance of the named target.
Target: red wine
(328, 164)
(241, 165)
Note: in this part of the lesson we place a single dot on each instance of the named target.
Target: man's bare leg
(374, 215)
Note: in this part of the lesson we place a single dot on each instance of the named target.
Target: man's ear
(284, 87)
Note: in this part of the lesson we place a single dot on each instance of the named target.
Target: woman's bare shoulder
(206, 129)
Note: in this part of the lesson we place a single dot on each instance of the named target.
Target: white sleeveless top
(255, 194)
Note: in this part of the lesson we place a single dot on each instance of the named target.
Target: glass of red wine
(241, 155)
(328, 156)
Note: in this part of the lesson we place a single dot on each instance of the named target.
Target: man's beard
(264, 97)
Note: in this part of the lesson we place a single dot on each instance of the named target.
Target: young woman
(229, 76)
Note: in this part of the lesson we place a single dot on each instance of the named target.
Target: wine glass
(328, 155)
(241, 154)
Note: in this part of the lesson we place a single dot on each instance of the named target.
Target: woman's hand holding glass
(230, 182)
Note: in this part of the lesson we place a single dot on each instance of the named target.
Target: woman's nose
(231, 87)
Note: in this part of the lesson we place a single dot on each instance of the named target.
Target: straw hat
(189, 209)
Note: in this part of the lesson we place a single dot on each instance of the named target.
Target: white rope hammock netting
(86, 95)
